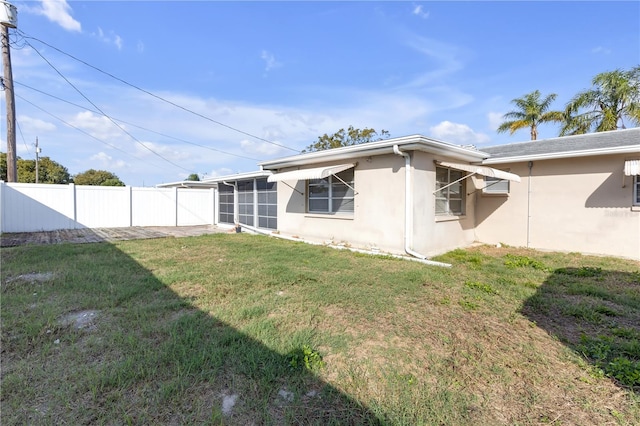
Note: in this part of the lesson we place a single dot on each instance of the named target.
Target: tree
(531, 112)
(614, 97)
(348, 137)
(97, 178)
(3, 166)
(49, 171)
(193, 177)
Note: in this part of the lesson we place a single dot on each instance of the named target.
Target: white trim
(307, 174)
(632, 167)
(565, 154)
(481, 170)
(408, 143)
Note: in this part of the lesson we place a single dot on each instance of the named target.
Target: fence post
(175, 199)
(3, 207)
(130, 204)
(74, 206)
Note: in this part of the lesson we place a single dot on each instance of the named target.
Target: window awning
(305, 174)
(632, 167)
(481, 170)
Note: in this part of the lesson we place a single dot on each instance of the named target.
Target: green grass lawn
(238, 329)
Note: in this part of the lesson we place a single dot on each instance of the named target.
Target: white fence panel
(195, 206)
(27, 207)
(154, 207)
(103, 206)
(37, 207)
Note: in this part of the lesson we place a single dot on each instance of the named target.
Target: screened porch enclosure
(254, 201)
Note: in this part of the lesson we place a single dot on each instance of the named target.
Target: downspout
(529, 204)
(408, 204)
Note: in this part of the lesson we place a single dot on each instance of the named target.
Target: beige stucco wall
(378, 218)
(576, 204)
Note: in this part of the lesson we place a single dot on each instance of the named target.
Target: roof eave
(566, 154)
(240, 176)
(408, 143)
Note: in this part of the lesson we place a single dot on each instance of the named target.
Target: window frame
(333, 184)
(445, 194)
(635, 195)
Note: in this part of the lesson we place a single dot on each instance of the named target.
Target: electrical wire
(105, 114)
(135, 125)
(83, 132)
(23, 34)
(22, 136)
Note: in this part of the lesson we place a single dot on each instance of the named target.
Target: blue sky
(283, 73)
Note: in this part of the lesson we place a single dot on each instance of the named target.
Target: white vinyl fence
(27, 207)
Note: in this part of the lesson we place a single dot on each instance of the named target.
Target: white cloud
(107, 162)
(111, 38)
(223, 171)
(155, 150)
(140, 46)
(495, 119)
(259, 149)
(601, 50)
(270, 61)
(97, 126)
(446, 60)
(457, 133)
(420, 12)
(34, 124)
(58, 11)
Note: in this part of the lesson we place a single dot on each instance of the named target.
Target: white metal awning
(305, 174)
(481, 170)
(632, 167)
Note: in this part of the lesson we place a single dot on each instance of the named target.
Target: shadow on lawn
(596, 313)
(146, 356)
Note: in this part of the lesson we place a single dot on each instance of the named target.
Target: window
(494, 185)
(226, 203)
(636, 190)
(331, 195)
(450, 200)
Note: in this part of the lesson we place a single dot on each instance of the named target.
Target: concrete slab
(95, 235)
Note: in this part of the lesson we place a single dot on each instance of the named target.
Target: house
(403, 195)
(578, 193)
(419, 196)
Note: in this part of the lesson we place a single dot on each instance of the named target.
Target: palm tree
(531, 112)
(614, 97)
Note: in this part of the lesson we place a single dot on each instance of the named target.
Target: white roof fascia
(408, 143)
(187, 184)
(240, 176)
(566, 154)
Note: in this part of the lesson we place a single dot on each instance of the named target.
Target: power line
(103, 113)
(82, 131)
(22, 135)
(154, 95)
(135, 125)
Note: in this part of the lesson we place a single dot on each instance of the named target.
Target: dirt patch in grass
(82, 320)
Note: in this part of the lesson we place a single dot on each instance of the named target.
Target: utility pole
(9, 19)
(38, 151)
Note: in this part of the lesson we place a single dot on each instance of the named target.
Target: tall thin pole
(37, 158)
(12, 170)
